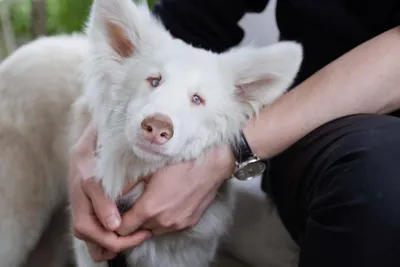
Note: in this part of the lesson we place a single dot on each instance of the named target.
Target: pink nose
(157, 129)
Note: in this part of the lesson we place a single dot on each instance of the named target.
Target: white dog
(154, 99)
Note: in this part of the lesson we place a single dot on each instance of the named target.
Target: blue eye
(197, 100)
(154, 81)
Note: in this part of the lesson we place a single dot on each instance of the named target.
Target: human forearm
(365, 80)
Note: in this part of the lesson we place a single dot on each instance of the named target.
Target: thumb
(105, 209)
(133, 219)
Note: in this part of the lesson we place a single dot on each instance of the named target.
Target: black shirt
(326, 28)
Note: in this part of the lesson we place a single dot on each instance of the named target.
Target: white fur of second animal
(38, 84)
(258, 238)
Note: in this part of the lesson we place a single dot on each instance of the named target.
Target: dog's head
(165, 99)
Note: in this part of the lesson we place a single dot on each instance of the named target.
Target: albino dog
(154, 99)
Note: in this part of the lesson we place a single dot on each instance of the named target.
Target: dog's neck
(118, 167)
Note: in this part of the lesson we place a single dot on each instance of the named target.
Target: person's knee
(362, 181)
(351, 193)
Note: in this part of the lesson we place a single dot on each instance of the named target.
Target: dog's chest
(125, 202)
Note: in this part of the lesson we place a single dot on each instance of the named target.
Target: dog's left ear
(121, 27)
(261, 75)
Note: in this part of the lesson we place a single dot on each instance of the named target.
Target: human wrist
(256, 145)
(274, 129)
(223, 162)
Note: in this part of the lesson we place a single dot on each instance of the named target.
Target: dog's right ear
(261, 75)
(121, 28)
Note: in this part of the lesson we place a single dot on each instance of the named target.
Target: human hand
(176, 196)
(94, 216)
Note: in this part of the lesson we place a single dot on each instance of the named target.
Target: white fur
(38, 84)
(257, 237)
(40, 119)
(233, 85)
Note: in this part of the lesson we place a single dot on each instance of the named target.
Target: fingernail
(113, 221)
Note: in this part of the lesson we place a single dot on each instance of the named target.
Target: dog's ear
(121, 27)
(261, 75)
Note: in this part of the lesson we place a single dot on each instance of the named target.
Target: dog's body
(38, 85)
(135, 75)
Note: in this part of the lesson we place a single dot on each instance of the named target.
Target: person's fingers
(92, 232)
(160, 228)
(133, 219)
(163, 231)
(91, 209)
(105, 209)
(87, 227)
(129, 186)
(163, 227)
(84, 157)
(98, 253)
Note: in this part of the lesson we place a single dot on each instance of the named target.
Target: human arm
(364, 80)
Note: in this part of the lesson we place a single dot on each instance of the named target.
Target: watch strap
(241, 149)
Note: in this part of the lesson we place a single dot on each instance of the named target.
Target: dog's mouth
(151, 149)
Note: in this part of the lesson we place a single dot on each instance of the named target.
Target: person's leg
(338, 192)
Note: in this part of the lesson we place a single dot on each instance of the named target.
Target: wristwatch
(248, 164)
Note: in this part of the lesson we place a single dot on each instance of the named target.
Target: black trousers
(338, 192)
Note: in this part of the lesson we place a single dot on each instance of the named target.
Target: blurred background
(25, 20)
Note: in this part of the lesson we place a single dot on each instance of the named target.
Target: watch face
(251, 170)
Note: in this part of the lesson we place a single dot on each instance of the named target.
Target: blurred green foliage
(63, 16)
